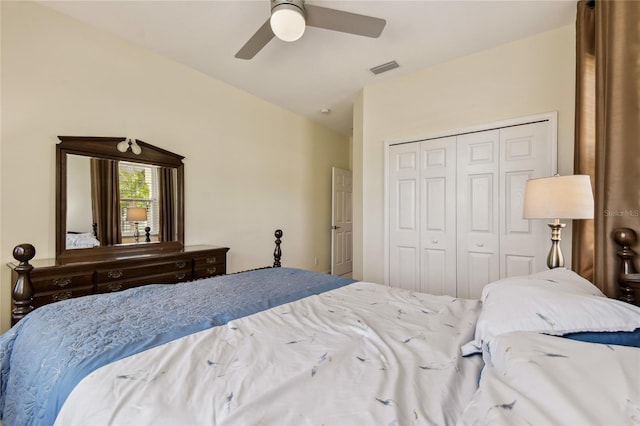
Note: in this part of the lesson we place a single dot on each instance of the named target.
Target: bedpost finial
(277, 253)
(624, 236)
(24, 252)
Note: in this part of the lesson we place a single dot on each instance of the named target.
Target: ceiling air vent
(384, 67)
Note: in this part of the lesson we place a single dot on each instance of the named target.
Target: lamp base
(136, 232)
(555, 259)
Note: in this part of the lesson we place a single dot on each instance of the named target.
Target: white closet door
(525, 154)
(404, 233)
(437, 216)
(477, 212)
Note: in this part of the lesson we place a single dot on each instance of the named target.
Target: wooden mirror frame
(106, 147)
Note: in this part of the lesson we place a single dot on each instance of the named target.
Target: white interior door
(438, 216)
(342, 222)
(478, 214)
(525, 154)
(455, 207)
(404, 231)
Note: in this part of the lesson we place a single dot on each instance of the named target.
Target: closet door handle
(335, 227)
(434, 241)
(480, 244)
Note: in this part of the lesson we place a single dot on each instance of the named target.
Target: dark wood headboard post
(628, 279)
(277, 253)
(23, 289)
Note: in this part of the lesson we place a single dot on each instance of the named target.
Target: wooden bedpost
(277, 253)
(23, 289)
(628, 279)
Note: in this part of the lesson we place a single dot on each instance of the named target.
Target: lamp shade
(287, 20)
(559, 197)
(136, 214)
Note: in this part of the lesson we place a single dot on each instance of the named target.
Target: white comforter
(535, 379)
(363, 354)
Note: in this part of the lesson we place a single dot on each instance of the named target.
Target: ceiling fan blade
(346, 22)
(256, 42)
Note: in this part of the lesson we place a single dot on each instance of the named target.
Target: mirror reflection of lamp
(135, 215)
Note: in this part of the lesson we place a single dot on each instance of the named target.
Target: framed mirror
(117, 197)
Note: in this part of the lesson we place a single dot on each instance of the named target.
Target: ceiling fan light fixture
(287, 20)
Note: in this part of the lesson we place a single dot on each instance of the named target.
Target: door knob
(335, 227)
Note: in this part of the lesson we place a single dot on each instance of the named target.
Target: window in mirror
(138, 189)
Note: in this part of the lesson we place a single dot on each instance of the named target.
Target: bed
(283, 346)
(79, 239)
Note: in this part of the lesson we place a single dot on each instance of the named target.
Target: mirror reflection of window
(138, 188)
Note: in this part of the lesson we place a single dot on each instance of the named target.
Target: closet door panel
(477, 211)
(479, 271)
(519, 265)
(433, 278)
(525, 154)
(404, 236)
(437, 216)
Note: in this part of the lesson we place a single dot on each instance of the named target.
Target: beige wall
(527, 77)
(250, 167)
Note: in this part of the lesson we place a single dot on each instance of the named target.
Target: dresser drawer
(178, 266)
(209, 265)
(41, 299)
(65, 282)
(216, 258)
(205, 271)
(166, 278)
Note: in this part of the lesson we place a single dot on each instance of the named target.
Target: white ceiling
(324, 69)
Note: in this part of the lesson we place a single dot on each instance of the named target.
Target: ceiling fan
(290, 17)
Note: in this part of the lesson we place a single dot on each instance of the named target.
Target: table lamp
(558, 197)
(135, 215)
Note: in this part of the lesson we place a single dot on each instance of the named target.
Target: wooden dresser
(53, 281)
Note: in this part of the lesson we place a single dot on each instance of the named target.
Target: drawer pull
(115, 287)
(62, 282)
(61, 296)
(212, 270)
(180, 276)
(211, 260)
(181, 264)
(115, 273)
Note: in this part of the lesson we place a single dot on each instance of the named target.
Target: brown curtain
(105, 199)
(166, 204)
(607, 144)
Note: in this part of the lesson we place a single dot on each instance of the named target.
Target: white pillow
(557, 302)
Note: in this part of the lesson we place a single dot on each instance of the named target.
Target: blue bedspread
(48, 352)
